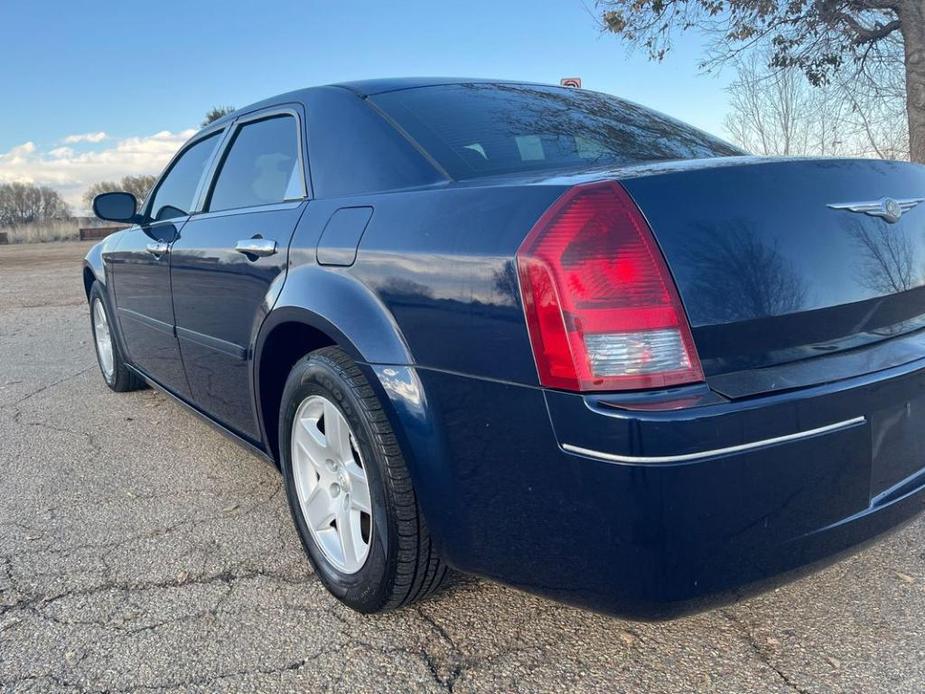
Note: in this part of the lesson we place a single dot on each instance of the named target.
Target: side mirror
(116, 207)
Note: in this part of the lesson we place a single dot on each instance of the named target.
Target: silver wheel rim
(331, 483)
(103, 339)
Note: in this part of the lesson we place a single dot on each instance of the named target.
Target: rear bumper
(654, 514)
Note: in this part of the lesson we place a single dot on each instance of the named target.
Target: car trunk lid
(771, 265)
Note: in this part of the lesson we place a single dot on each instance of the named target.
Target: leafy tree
(21, 203)
(215, 113)
(820, 37)
(139, 186)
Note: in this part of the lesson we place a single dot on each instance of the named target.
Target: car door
(228, 259)
(140, 268)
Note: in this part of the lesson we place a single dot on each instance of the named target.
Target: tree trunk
(912, 14)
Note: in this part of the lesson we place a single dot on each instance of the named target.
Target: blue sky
(102, 88)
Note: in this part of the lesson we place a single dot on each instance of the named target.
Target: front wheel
(108, 355)
(349, 490)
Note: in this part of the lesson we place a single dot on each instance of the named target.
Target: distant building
(88, 222)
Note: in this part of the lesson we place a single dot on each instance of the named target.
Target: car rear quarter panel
(434, 282)
(433, 290)
(442, 265)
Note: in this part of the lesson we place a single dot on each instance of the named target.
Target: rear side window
(175, 193)
(261, 166)
(483, 129)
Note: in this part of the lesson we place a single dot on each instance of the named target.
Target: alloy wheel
(331, 483)
(103, 339)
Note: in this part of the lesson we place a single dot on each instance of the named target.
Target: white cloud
(71, 171)
(85, 137)
(21, 151)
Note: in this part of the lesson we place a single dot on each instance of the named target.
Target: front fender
(93, 268)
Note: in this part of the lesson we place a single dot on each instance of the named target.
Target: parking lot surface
(141, 550)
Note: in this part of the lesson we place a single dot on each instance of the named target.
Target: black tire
(402, 565)
(122, 379)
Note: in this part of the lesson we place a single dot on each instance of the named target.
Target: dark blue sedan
(532, 333)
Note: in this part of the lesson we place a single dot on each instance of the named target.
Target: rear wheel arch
(365, 331)
(287, 335)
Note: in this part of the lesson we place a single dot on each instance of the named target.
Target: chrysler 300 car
(537, 334)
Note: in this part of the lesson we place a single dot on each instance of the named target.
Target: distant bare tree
(139, 186)
(770, 114)
(21, 203)
(215, 113)
(775, 111)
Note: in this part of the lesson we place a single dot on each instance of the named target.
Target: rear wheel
(349, 490)
(108, 355)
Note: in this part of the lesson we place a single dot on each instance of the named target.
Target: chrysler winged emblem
(886, 208)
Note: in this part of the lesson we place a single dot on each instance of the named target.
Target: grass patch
(41, 232)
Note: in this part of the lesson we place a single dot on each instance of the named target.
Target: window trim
(204, 196)
(222, 133)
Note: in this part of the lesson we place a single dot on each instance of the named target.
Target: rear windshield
(483, 129)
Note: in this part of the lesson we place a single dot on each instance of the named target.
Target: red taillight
(602, 310)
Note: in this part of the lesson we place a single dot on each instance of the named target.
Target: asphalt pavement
(142, 550)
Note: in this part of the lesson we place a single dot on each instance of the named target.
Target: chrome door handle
(157, 248)
(256, 247)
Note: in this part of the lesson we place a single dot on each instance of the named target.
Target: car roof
(364, 88)
(380, 86)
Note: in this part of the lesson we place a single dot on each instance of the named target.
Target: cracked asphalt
(141, 550)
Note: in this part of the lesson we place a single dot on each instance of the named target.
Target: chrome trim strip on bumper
(616, 458)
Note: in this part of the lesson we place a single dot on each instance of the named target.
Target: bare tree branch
(827, 40)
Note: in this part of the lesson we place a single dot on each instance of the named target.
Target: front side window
(261, 167)
(174, 195)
